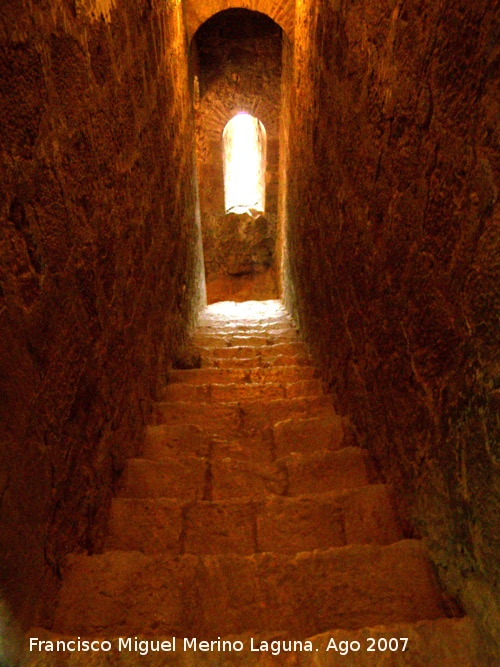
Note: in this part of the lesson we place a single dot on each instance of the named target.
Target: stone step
(319, 521)
(443, 642)
(275, 328)
(246, 351)
(204, 376)
(283, 525)
(184, 478)
(257, 415)
(231, 337)
(222, 478)
(305, 435)
(216, 419)
(280, 314)
(217, 393)
(256, 362)
(286, 333)
(127, 592)
(234, 418)
(271, 328)
(256, 340)
(293, 435)
(165, 441)
(256, 448)
(289, 436)
(245, 310)
(298, 474)
(150, 525)
(323, 471)
(279, 320)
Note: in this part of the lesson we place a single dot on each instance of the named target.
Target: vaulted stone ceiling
(199, 11)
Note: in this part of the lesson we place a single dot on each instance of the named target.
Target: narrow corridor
(251, 506)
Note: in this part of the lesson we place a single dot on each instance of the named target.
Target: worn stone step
(276, 374)
(245, 351)
(253, 310)
(269, 329)
(150, 525)
(298, 474)
(274, 324)
(191, 478)
(128, 593)
(233, 418)
(256, 361)
(164, 441)
(443, 642)
(257, 415)
(233, 337)
(306, 435)
(279, 320)
(225, 477)
(245, 526)
(233, 478)
(256, 340)
(364, 515)
(183, 478)
(214, 418)
(293, 435)
(255, 448)
(255, 391)
(322, 471)
(274, 328)
(209, 317)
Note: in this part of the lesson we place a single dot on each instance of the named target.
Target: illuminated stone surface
(258, 544)
(384, 172)
(394, 256)
(96, 127)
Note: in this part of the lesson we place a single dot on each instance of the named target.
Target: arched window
(244, 146)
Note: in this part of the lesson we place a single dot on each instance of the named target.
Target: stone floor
(251, 516)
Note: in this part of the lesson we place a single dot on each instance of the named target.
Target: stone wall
(394, 256)
(99, 262)
(281, 11)
(236, 57)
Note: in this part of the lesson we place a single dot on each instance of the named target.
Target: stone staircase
(250, 517)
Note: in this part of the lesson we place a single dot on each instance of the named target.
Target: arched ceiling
(282, 12)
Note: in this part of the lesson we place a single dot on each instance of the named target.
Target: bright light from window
(244, 140)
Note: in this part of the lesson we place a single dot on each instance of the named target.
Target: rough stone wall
(237, 58)
(394, 267)
(100, 269)
(287, 67)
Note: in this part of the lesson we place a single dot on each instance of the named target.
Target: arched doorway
(236, 67)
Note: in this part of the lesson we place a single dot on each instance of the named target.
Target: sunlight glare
(244, 140)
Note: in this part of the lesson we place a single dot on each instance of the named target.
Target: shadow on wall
(10, 637)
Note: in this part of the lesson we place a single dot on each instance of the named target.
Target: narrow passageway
(251, 515)
(164, 481)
